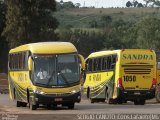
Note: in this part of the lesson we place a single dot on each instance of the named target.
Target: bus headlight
(39, 92)
(75, 91)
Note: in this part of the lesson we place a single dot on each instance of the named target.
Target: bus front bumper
(56, 98)
(136, 94)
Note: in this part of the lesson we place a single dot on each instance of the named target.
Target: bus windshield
(56, 70)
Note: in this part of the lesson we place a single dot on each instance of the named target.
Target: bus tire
(49, 106)
(142, 102)
(89, 96)
(92, 100)
(14, 93)
(23, 104)
(102, 100)
(136, 102)
(119, 101)
(139, 102)
(18, 104)
(71, 106)
(88, 93)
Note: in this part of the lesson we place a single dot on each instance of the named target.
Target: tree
(148, 33)
(68, 4)
(128, 4)
(106, 20)
(147, 1)
(152, 2)
(30, 21)
(135, 3)
(118, 35)
(3, 42)
(2, 16)
(157, 3)
(77, 5)
(87, 41)
(93, 24)
(140, 5)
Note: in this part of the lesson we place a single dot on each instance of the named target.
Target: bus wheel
(71, 106)
(136, 102)
(18, 104)
(23, 104)
(139, 102)
(88, 93)
(49, 106)
(142, 102)
(54, 105)
(119, 101)
(102, 100)
(92, 100)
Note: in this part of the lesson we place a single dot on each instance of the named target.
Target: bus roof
(107, 52)
(46, 48)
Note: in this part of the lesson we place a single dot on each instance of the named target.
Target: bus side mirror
(30, 63)
(82, 63)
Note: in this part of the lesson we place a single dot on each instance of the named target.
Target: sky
(102, 3)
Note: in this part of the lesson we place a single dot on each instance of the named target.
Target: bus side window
(95, 64)
(104, 63)
(14, 61)
(108, 62)
(23, 60)
(86, 64)
(113, 63)
(99, 64)
(90, 64)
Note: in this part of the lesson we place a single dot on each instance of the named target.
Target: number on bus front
(129, 78)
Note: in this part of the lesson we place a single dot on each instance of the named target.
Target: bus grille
(137, 69)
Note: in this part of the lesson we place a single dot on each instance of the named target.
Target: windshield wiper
(49, 79)
(42, 84)
(64, 78)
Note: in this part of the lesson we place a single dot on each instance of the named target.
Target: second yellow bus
(119, 76)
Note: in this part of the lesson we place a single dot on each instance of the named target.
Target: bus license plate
(58, 99)
(137, 93)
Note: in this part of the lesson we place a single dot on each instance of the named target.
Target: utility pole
(84, 3)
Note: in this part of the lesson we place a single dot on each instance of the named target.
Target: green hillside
(94, 29)
(81, 17)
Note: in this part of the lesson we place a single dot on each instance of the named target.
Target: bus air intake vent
(137, 69)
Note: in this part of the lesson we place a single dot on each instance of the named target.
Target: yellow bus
(119, 76)
(46, 73)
